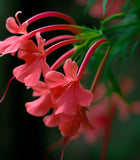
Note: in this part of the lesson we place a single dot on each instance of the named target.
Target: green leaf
(126, 5)
(104, 6)
(89, 4)
(133, 48)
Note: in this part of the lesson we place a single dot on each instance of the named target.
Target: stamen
(6, 89)
(51, 14)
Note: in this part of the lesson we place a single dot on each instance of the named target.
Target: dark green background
(24, 137)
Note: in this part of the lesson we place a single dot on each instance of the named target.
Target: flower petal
(55, 79)
(40, 88)
(83, 96)
(12, 26)
(44, 66)
(10, 45)
(28, 74)
(70, 128)
(27, 51)
(67, 103)
(39, 107)
(51, 120)
(70, 69)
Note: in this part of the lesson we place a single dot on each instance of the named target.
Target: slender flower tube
(88, 56)
(58, 38)
(63, 58)
(6, 89)
(49, 28)
(60, 44)
(50, 14)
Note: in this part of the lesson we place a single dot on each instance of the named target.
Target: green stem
(119, 27)
(119, 15)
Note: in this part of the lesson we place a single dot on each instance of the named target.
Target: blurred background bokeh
(24, 137)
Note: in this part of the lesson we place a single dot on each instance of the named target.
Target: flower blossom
(11, 44)
(43, 104)
(69, 88)
(35, 58)
(67, 98)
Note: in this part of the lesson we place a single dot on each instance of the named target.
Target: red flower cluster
(61, 93)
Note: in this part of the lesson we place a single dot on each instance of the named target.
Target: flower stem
(88, 56)
(63, 149)
(6, 89)
(51, 148)
(55, 27)
(60, 44)
(119, 15)
(58, 38)
(107, 133)
(100, 70)
(50, 14)
(63, 58)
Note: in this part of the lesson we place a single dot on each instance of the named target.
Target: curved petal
(70, 69)
(40, 88)
(66, 103)
(10, 45)
(70, 128)
(28, 51)
(44, 66)
(83, 96)
(51, 120)
(28, 74)
(40, 106)
(40, 42)
(12, 26)
(54, 79)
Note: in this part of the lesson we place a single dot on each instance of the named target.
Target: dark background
(24, 137)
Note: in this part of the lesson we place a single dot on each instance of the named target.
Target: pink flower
(68, 124)
(66, 91)
(11, 44)
(67, 98)
(35, 58)
(43, 104)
